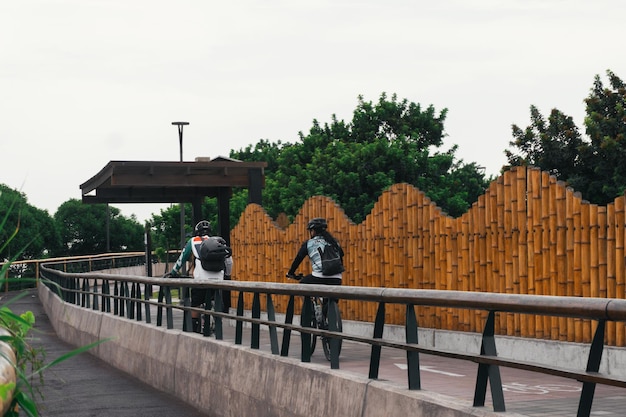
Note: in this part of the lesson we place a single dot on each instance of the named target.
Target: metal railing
(130, 297)
(28, 269)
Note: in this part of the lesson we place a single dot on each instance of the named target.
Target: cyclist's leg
(312, 338)
(329, 281)
(197, 299)
(209, 323)
(310, 279)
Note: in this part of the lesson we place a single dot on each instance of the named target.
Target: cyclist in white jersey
(202, 231)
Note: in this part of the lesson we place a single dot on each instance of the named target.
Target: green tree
(263, 150)
(83, 229)
(166, 227)
(605, 125)
(387, 142)
(594, 165)
(554, 146)
(38, 236)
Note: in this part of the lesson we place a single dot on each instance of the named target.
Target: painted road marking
(428, 369)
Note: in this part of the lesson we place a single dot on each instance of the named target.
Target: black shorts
(310, 279)
(198, 296)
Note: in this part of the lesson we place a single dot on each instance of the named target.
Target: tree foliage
(83, 229)
(166, 227)
(38, 237)
(593, 165)
(387, 142)
(605, 125)
(553, 146)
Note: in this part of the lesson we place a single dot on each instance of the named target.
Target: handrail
(83, 289)
(78, 258)
(36, 263)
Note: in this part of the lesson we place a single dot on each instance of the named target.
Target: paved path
(89, 387)
(85, 386)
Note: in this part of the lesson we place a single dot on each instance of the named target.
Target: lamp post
(180, 136)
(180, 126)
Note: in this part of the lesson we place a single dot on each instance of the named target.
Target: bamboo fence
(528, 234)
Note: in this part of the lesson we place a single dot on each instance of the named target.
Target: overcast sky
(84, 82)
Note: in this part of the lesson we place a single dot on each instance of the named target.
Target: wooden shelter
(177, 182)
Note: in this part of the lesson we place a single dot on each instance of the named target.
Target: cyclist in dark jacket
(319, 238)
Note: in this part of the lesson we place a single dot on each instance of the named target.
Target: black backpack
(212, 253)
(331, 259)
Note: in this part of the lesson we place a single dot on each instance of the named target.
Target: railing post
(256, 314)
(169, 316)
(218, 304)
(488, 372)
(138, 301)
(412, 357)
(284, 350)
(160, 296)
(239, 325)
(84, 297)
(116, 300)
(147, 296)
(74, 294)
(185, 294)
(95, 295)
(131, 302)
(271, 316)
(124, 300)
(379, 324)
(593, 365)
(106, 297)
(334, 320)
(306, 320)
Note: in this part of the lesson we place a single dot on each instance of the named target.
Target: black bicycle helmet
(317, 223)
(203, 228)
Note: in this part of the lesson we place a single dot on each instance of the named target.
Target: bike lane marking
(428, 369)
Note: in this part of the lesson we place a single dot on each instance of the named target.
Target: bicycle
(319, 320)
(206, 324)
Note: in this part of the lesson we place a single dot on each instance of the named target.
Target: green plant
(28, 359)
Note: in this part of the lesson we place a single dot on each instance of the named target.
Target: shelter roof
(169, 182)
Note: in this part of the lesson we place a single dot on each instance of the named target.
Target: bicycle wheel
(314, 325)
(326, 346)
(313, 336)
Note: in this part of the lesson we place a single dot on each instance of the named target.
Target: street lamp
(180, 136)
(182, 205)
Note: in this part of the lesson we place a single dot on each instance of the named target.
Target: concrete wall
(230, 380)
